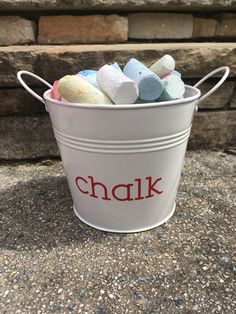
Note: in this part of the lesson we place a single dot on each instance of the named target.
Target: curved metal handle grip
(19, 74)
(225, 69)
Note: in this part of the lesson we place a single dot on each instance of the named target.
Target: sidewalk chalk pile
(136, 84)
(119, 87)
(76, 89)
(149, 84)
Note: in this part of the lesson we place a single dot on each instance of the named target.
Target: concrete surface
(195, 60)
(91, 5)
(50, 262)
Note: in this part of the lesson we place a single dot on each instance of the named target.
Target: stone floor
(50, 262)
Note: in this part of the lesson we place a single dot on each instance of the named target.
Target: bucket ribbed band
(122, 146)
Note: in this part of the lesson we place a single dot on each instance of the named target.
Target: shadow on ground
(39, 214)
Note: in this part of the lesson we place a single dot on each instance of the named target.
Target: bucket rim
(47, 98)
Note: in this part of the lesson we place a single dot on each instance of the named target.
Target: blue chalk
(87, 72)
(176, 73)
(90, 76)
(149, 84)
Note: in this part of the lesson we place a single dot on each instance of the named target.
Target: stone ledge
(233, 100)
(34, 137)
(123, 5)
(26, 137)
(17, 101)
(213, 130)
(220, 99)
(53, 62)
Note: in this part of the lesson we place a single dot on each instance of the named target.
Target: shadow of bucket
(123, 162)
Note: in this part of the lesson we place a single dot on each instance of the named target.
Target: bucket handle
(211, 91)
(22, 82)
(214, 88)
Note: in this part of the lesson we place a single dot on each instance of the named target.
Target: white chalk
(77, 90)
(149, 84)
(163, 66)
(118, 87)
(116, 66)
(173, 88)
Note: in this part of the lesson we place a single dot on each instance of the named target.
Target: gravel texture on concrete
(50, 262)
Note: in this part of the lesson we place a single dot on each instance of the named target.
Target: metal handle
(211, 91)
(19, 74)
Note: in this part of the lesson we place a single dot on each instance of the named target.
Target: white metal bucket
(123, 162)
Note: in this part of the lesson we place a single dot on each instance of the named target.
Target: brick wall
(116, 28)
(51, 43)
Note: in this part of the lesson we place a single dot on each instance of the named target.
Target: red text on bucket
(138, 190)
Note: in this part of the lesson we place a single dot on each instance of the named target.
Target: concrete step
(53, 62)
(121, 5)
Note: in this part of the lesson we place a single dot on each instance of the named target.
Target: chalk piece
(116, 85)
(141, 101)
(149, 84)
(77, 90)
(87, 72)
(163, 66)
(173, 88)
(90, 76)
(55, 94)
(173, 73)
(176, 73)
(116, 66)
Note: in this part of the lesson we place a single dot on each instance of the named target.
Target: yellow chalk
(77, 90)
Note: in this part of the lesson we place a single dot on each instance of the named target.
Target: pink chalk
(172, 73)
(55, 94)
